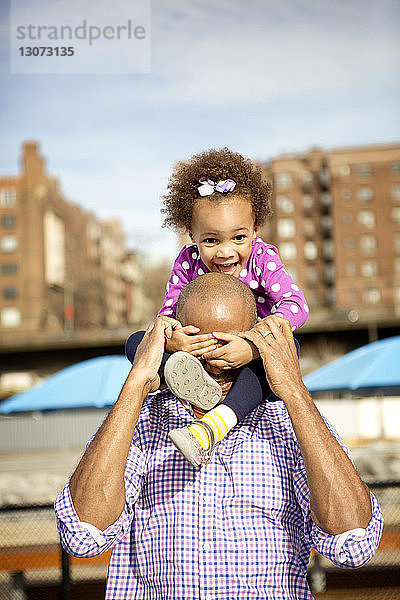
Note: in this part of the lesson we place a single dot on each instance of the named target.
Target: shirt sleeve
(84, 539)
(286, 298)
(350, 549)
(182, 273)
(353, 548)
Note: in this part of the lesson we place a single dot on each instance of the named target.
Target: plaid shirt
(237, 528)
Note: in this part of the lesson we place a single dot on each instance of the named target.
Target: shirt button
(206, 546)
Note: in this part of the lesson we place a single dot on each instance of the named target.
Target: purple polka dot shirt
(274, 290)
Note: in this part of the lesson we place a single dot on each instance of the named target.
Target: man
(240, 527)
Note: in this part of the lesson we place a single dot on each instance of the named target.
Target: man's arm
(97, 486)
(339, 500)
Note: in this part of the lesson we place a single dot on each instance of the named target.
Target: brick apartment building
(337, 226)
(61, 268)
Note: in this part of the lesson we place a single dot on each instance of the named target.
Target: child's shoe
(197, 441)
(189, 446)
(187, 379)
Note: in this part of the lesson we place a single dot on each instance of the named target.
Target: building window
(310, 251)
(369, 268)
(347, 218)
(312, 274)
(285, 204)
(397, 242)
(365, 194)
(395, 192)
(364, 170)
(396, 215)
(372, 295)
(346, 194)
(54, 245)
(329, 272)
(288, 250)
(368, 243)
(350, 269)
(10, 317)
(307, 177)
(324, 176)
(331, 295)
(308, 201)
(395, 168)
(366, 218)
(284, 179)
(10, 292)
(349, 243)
(325, 199)
(314, 298)
(397, 266)
(286, 228)
(328, 249)
(9, 243)
(8, 221)
(327, 221)
(9, 269)
(344, 170)
(8, 197)
(309, 227)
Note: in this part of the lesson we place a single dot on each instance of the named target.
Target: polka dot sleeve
(285, 298)
(182, 273)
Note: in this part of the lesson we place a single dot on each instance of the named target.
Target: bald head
(217, 302)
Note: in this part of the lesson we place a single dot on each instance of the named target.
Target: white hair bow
(208, 187)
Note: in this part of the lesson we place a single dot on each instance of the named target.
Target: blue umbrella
(95, 382)
(371, 369)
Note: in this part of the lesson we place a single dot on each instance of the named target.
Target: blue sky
(261, 77)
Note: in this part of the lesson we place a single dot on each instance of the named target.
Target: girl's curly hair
(213, 164)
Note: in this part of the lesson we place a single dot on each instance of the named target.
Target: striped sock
(220, 419)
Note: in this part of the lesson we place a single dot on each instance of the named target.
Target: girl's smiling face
(223, 232)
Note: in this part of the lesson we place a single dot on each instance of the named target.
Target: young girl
(221, 198)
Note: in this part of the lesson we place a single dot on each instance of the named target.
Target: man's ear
(255, 232)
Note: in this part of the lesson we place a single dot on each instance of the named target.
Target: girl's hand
(234, 353)
(189, 340)
(172, 325)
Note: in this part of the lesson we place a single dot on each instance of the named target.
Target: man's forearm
(97, 485)
(339, 499)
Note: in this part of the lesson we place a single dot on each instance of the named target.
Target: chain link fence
(33, 566)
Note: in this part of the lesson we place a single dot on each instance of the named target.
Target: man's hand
(188, 339)
(233, 354)
(274, 340)
(339, 501)
(150, 351)
(98, 486)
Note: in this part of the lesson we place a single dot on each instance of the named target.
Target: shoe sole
(187, 379)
